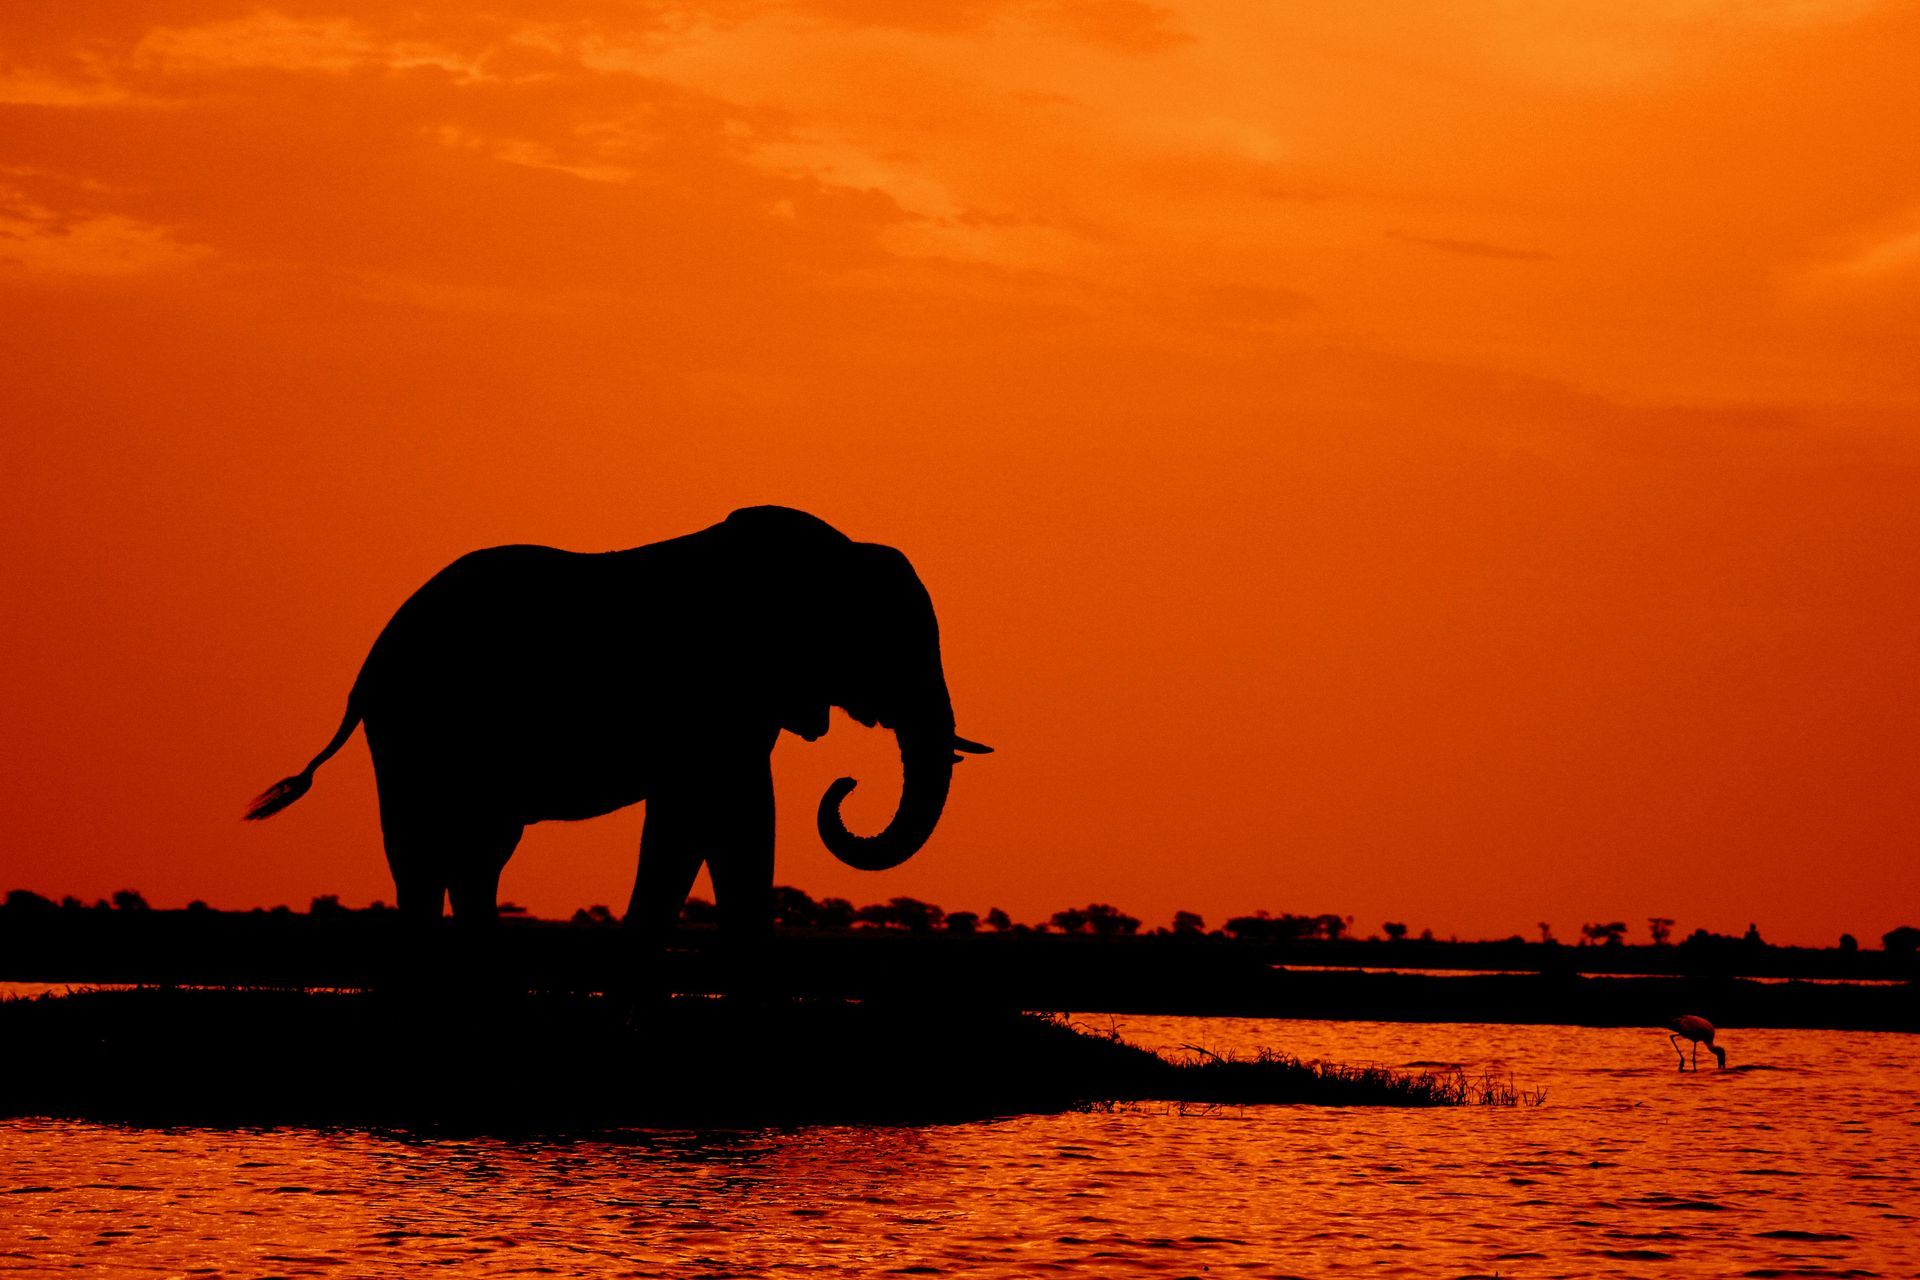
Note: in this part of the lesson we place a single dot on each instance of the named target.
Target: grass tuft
(1272, 1076)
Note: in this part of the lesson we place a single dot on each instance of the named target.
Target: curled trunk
(926, 762)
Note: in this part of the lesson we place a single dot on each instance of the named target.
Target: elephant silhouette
(527, 684)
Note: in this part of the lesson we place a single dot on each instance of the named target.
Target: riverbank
(1438, 982)
(559, 1063)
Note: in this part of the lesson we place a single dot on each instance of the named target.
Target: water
(1800, 1161)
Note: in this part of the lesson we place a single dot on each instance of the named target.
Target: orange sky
(1453, 464)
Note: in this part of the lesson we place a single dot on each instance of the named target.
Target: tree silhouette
(998, 920)
(1706, 938)
(1096, 918)
(1188, 924)
(963, 922)
(794, 908)
(129, 900)
(915, 915)
(1262, 926)
(1611, 934)
(1903, 941)
(1395, 930)
(26, 901)
(1661, 928)
(909, 914)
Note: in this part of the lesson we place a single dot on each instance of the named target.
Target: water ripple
(1631, 1166)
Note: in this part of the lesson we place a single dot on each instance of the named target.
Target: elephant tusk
(971, 747)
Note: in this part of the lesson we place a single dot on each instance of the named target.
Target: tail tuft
(287, 790)
(279, 796)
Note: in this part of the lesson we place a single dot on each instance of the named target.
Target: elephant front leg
(671, 851)
(721, 814)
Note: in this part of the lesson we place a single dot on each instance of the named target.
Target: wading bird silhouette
(1697, 1029)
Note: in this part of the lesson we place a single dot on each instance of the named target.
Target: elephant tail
(287, 790)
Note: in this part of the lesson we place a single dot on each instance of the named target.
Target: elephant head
(868, 644)
(891, 675)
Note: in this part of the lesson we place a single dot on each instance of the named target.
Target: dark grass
(572, 1062)
(1211, 1077)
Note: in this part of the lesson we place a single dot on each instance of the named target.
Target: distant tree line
(796, 909)
(27, 902)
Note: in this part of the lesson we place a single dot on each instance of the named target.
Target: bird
(1700, 1031)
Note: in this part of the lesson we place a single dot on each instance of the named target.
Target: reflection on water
(1799, 1162)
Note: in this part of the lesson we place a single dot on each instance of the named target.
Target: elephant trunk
(926, 762)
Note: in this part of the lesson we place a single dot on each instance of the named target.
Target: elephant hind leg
(434, 861)
(462, 861)
(474, 862)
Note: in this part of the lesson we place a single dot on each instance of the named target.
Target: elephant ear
(891, 621)
(790, 582)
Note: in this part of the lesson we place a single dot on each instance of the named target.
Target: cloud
(929, 16)
(1607, 47)
(1860, 301)
(1132, 27)
(37, 88)
(1128, 26)
(1201, 168)
(39, 240)
(333, 46)
(533, 155)
(1893, 256)
(1472, 248)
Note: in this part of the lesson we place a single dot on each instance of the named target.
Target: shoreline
(1518, 999)
(555, 1063)
(1351, 981)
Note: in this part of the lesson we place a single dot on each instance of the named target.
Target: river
(1799, 1160)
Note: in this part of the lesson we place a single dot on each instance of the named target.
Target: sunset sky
(1452, 464)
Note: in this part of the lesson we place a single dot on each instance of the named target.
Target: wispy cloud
(534, 155)
(44, 241)
(330, 46)
(41, 88)
(1472, 248)
(1130, 26)
(1882, 258)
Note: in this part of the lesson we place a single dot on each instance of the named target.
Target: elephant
(527, 684)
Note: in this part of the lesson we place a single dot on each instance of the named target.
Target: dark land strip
(558, 1063)
(1504, 981)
